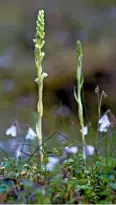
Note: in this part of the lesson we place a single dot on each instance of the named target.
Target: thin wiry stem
(100, 98)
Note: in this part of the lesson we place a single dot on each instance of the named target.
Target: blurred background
(92, 22)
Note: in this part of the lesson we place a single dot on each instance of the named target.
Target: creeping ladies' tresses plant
(39, 55)
(77, 95)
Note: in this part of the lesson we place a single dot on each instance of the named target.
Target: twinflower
(104, 123)
(30, 134)
(89, 150)
(12, 130)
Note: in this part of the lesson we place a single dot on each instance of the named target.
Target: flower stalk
(77, 95)
(39, 55)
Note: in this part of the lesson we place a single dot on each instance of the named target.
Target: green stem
(39, 55)
(40, 115)
(80, 81)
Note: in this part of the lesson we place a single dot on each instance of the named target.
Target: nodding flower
(30, 134)
(89, 150)
(104, 123)
(13, 129)
(71, 150)
(53, 161)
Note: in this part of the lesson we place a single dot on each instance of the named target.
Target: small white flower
(71, 150)
(104, 123)
(30, 134)
(45, 75)
(11, 131)
(89, 150)
(85, 130)
(53, 161)
(36, 80)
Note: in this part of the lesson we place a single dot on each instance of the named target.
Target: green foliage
(70, 183)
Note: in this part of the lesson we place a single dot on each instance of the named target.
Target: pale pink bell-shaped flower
(53, 161)
(89, 150)
(30, 134)
(104, 123)
(71, 150)
(85, 130)
(12, 131)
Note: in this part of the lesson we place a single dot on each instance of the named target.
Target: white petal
(85, 130)
(45, 75)
(71, 150)
(30, 134)
(104, 119)
(36, 80)
(53, 161)
(103, 128)
(104, 123)
(11, 131)
(50, 167)
(89, 150)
